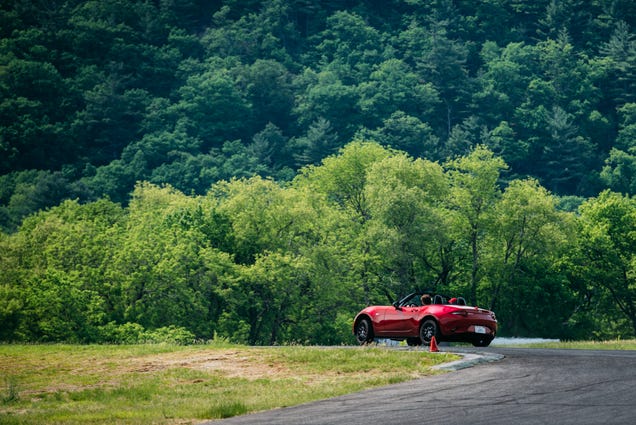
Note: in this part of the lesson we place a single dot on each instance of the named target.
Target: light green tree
(474, 193)
(522, 259)
(607, 259)
(410, 229)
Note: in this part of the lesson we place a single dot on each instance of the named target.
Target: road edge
(468, 360)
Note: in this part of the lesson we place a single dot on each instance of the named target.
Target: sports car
(420, 317)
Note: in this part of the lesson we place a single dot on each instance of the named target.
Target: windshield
(415, 300)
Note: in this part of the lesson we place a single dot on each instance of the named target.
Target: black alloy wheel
(428, 330)
(364, 332)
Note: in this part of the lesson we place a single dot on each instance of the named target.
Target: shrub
(169, 335)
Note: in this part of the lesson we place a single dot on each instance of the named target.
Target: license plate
(480, 329)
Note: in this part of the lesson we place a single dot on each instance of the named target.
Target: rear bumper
(468, 331)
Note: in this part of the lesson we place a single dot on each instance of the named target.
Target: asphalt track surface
(524, 386)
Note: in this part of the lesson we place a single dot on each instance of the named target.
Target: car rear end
(470, 324)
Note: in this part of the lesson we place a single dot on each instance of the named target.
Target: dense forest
(260, 170)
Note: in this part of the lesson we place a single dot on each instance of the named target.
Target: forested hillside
(96, 95)
(263, 169)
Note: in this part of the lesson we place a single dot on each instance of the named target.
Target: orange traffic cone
(433, 348)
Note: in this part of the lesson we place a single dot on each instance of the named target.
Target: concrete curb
(469, 360)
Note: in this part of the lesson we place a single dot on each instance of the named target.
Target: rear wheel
(428, 330)
(364, 332)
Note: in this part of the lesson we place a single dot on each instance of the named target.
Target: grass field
(163, 384)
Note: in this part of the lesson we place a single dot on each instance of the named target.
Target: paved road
(528, 386)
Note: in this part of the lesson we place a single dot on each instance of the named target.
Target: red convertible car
(414, 319)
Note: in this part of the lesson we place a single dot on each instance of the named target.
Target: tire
(482, 341)
(364, 332)
(428, 330)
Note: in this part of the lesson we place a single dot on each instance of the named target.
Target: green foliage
(530, 237)
(219, 105)
(604, 256)
(474, 194)
(257, 262)
(116, 92)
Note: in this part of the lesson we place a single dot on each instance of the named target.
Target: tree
(567, 157)
(557, 112)
(12, 298)
(463, 138)
(27, 192)
(441, 60)
(319, 142)
(503, 141)
(619, 172)
(275, 288)
(268, 148)
(522, 261)
(325, 96)
(259, 216)
(474, 193)
(342, 178)
(406, 133)
(410, 230)
(626, 138)
(32, 125)
(503, 80)
(111, 120)
(620, 166)
(621, 52)
(214, 108)
(393, 86)
(289, 247)
(606, 246)
(268, 85)
(188, 172)
(570, 15)
(527, 15)
(350, 42)
(249, 35)
(62, 276)
(166, 268)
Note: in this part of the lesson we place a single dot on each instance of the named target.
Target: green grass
(164, 384)
(617, 344)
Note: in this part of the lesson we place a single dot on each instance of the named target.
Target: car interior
(415, 300)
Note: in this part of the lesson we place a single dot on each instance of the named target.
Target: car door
(401, 321)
